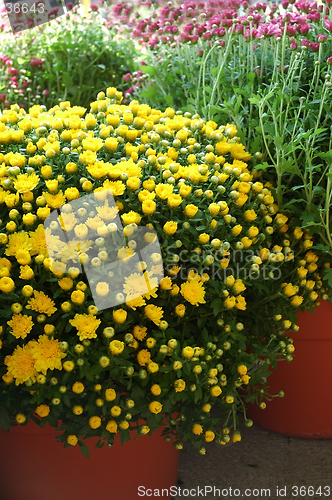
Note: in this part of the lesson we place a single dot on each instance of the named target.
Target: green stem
(220, 69)
(264, 137)
(200, 76)
(328, 203)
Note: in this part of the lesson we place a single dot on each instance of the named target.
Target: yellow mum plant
(222, 294)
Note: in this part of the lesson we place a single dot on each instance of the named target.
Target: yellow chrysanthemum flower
(116, 347)
(163, 191)
(110, 394)
(94, 422)
(67, 221)
(86, 325)
(179, 385)
(140, 332)
(143, 357)
(41, 303)
(98, 170)
(26, 182)
(72, 440)
(17, 242)
(148, 207)
(131, 218)
(54, 200)
(46, 353)
(117, 188)
(21, 365)
(194, 292)
(20, 325)
(191, 210)
(154, 313)
(209, 436)
(112, 426)
(43, 410)
(155, 407)
(197, 429)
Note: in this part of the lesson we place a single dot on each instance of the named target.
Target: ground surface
(262, 460)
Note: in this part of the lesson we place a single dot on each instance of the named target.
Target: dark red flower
(304, 29)
(305, 42)
(127, 77)
(36, 62)
(12, 71)
(314, 46)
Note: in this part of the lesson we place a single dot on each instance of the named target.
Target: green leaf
(270, 94)
(326, 156)
(149, 70)
(148, 93)
(198, 394)
(317, 132)
(216, 306)
(241, 91)
(238, 104)
(262, 166)
(215, 109)
(328, 276)
(254, 100)
(169, 99)
(84, 449)
(4, 419)
(278, 141)
(306, 218)
(52, 421)
(289, 166)
(66, 400)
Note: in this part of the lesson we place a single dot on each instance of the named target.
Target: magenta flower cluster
(201, 23)
(209, 20)
(18, 82)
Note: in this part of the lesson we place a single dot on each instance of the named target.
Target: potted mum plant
(190, 323)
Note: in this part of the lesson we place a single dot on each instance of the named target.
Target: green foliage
(79, 57)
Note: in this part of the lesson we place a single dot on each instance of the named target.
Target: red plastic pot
(35, 466)
(305, 410)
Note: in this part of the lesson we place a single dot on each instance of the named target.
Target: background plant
(69, 58)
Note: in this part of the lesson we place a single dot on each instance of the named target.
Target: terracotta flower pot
(35, 466)
(305, 410)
